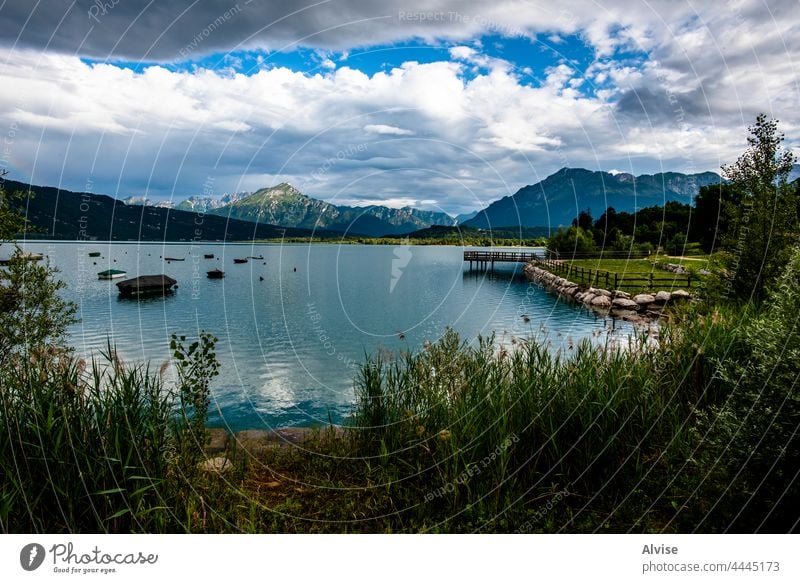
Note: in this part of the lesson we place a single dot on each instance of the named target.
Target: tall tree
(767, 215)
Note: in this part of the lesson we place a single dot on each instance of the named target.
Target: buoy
(295, 269)
(261, 279)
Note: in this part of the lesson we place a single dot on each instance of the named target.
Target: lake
(294, 326)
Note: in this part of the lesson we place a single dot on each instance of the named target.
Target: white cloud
(699, 75)
(385, 130)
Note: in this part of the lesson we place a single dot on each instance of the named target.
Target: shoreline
(640, 308)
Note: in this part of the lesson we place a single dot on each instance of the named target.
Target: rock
(621, 294)
(628, 315)
(217, 441)
(704, 272)
(579, 296)
(663, 296)
(602, 292)
(644, 299)
(601, 302)
(680, 294)
(216, 465)
(588, 297)
(624, 304)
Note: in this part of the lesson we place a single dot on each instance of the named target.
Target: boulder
(680, 294)
(644, 299)
(621, 294)
(601, 302)
(601, 292)
(216, 465)
(588, 297)
(624, 304)
(663, 297)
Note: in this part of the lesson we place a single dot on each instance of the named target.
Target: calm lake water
(289, 343)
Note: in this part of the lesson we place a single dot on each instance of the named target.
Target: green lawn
(632, 275)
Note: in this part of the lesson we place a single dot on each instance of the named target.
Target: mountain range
(271, 212)
(558, 199)
(285, 206)
(60, 214)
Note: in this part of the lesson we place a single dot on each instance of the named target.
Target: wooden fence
(612, 280)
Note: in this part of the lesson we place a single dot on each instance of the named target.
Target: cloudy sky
(434, 103)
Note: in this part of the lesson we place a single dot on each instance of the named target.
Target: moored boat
(209, 256)
(256, 257)
(94, 254)
(146, 285)
(240, 260)
(111, 274)
(22, 257)
(174, 259)
(215, 274)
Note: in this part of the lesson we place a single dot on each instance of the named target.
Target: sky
(437, 104)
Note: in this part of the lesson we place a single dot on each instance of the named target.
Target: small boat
(22, 257)
(209, 256)
(94, 254)
(111, 274)
(254, 257)
(174, 259)
(240, 260)
(146, 285)
(215, 274)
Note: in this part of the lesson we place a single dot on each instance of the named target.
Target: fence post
(616, 285)
(606, 280)
(651, 282)
(689, 280)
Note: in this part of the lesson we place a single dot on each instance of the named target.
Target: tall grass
(470, 437)
(106, 448)
(692, 432)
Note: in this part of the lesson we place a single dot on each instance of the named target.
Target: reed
(103, 448)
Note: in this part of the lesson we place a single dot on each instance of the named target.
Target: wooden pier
(484, 259)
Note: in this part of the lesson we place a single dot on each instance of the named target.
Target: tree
(32, 313)
(767, 216)
(573, 240)
(716, 208)
(11, 222)
(583, 220)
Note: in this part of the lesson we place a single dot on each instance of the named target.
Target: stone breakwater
(620, 304)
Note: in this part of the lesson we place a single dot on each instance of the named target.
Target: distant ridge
(66, 215)
(559, 198)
